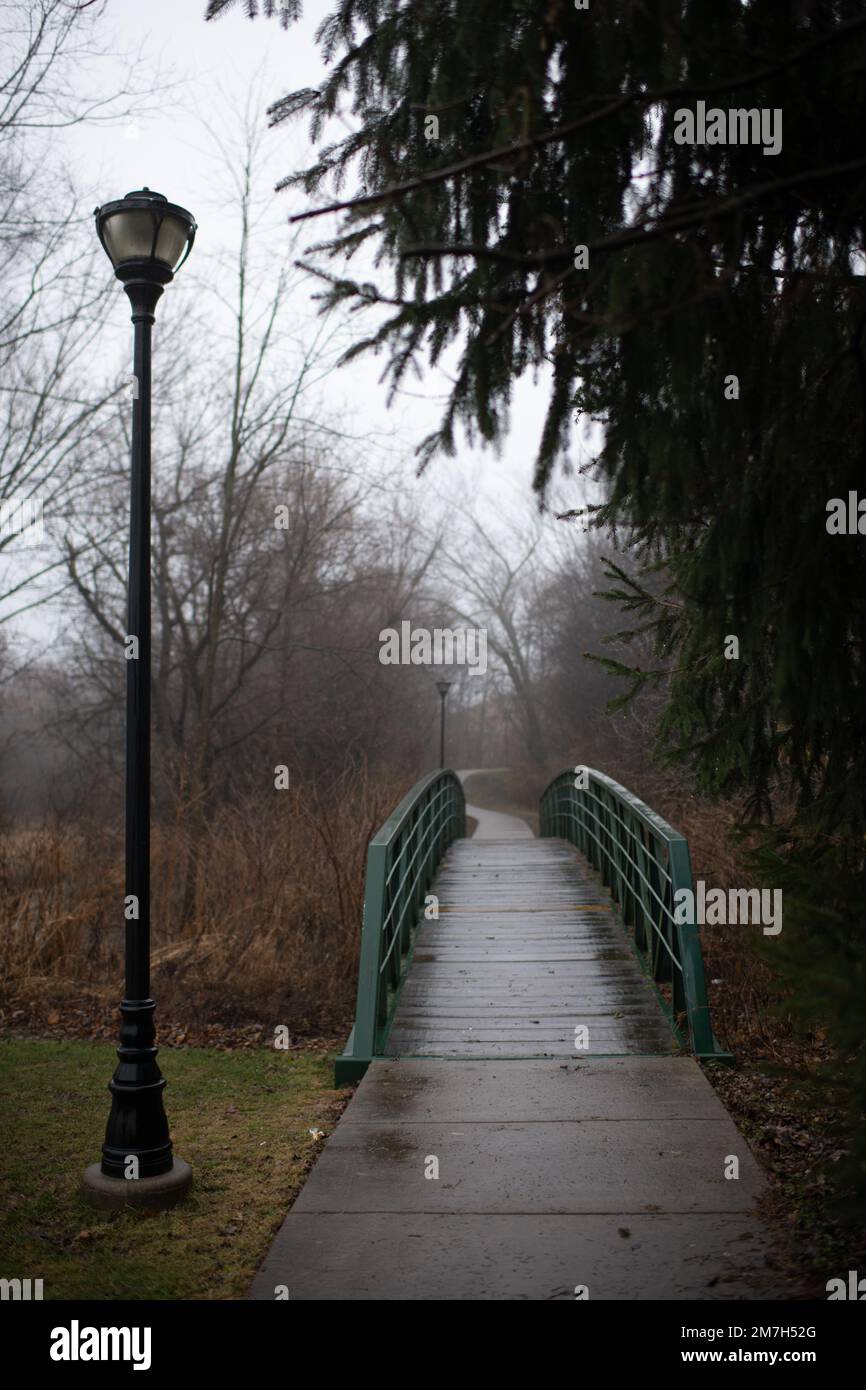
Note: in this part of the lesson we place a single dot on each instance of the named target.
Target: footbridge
(564, 945)
(532, 1035)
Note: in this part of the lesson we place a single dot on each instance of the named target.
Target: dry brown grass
(274, 929)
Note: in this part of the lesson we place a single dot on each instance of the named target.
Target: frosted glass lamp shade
(146, 229)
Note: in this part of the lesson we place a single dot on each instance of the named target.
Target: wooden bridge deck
(526, 949)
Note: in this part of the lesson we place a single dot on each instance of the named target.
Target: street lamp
(147, 240)
(443, 687)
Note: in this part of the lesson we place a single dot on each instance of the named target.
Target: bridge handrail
(402, 860)
(644, 862)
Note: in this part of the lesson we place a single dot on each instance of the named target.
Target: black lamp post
(147, 239)
(443, 687)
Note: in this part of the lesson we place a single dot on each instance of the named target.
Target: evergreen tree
(716, 332)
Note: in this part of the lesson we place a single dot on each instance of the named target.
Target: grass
(242, 1119)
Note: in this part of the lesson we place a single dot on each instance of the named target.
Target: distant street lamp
(147, 240)
(443, 687)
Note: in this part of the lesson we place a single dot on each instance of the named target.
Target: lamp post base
(157, 1193)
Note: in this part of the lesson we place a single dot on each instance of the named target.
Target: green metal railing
(402, 861)
(644, 862)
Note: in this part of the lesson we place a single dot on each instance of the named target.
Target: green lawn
(242, 1119)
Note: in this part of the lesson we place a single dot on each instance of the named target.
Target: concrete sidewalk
(494, 825)
(607, 1174)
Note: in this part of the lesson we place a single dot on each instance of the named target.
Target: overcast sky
(164, 151)
(205, 69)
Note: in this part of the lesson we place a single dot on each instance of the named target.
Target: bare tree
(492, 583)
(53, 289)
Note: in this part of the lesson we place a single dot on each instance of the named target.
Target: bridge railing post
(370, 963)
(693, 979)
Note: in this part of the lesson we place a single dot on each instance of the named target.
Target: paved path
(606, 1174)
(494, 825)
(496, 1161)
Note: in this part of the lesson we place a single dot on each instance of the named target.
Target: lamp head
(443, 687)
(145, 236)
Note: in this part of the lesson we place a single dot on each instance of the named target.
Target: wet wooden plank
(527, 949)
